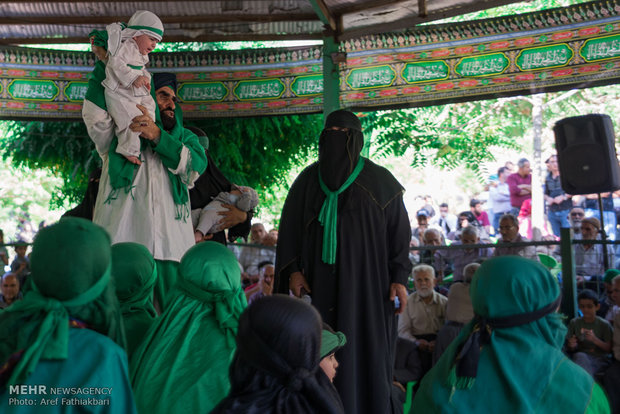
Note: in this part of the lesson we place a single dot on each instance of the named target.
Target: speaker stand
(603, 233)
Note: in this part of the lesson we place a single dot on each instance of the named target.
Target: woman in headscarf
(509, 358)
(182, 364)
(67, 331)
(276, 366)
(135, 274)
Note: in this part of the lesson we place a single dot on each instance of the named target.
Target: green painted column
(569, 288)
(331, 77)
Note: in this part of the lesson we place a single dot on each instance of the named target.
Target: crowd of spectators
(448, 247)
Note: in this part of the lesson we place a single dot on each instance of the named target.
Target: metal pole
(331, 77)
(569, 285)
(602, 231)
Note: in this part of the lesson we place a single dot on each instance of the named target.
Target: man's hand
(397, 289)
(142, 81)
(145, 125)
(266, 287)
(232, 216)
(297, 281)
(423, 344)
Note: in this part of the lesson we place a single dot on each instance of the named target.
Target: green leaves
(64, 148)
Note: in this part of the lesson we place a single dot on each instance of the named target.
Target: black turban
(165, 79)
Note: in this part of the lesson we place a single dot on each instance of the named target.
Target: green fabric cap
(328, 216)
(182, 365)
(610, 274)
(70, 277)
(331, 342)
(135, 274)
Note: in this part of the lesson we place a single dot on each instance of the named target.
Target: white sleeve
(99, 125)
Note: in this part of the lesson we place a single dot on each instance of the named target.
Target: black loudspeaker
(587, 154)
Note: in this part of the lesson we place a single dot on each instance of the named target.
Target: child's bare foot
(198, 236)
(134, 160)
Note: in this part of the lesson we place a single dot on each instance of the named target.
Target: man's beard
(167, 122)
(425, 293)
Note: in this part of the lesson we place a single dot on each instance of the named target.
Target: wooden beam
(410, 22)
(422, 11)
(209, 18)
(169, 39)
(324, 14)
(360, 7)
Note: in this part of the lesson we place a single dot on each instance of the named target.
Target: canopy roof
(29, 22)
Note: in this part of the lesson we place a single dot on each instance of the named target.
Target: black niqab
(339, 151)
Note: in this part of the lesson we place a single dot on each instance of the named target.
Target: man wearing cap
(344, 238)
(147, 203)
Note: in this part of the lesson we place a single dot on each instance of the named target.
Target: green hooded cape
(521, 369)
(182, 365)
(64, 330)
(135, 273)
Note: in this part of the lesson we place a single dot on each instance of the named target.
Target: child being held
(331, 341)
(589, 337)
(127, 82)
(207, 220)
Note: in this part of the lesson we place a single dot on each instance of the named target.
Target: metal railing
(569, 283)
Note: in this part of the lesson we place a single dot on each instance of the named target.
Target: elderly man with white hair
(424, 314)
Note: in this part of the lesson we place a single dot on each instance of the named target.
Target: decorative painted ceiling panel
(573, 47)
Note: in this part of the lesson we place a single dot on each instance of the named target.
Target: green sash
(328, 216)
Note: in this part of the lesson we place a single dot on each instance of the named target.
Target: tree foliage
(250, 151)
(449, 135)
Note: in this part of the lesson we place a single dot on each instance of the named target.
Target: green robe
(522, 368)
(182, 365)
(102, 368)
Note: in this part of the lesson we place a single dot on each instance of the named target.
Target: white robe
(147, 217)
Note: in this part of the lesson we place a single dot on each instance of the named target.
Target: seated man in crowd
(462, 257)
(509, 229)
(424, 315)
(251, 256)
(446, 221)
(466, 219)
(574, 218)
(442, 266)
(10, 290)
(589, 259)
(264, 286)
(475, 206)
(422, 219)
